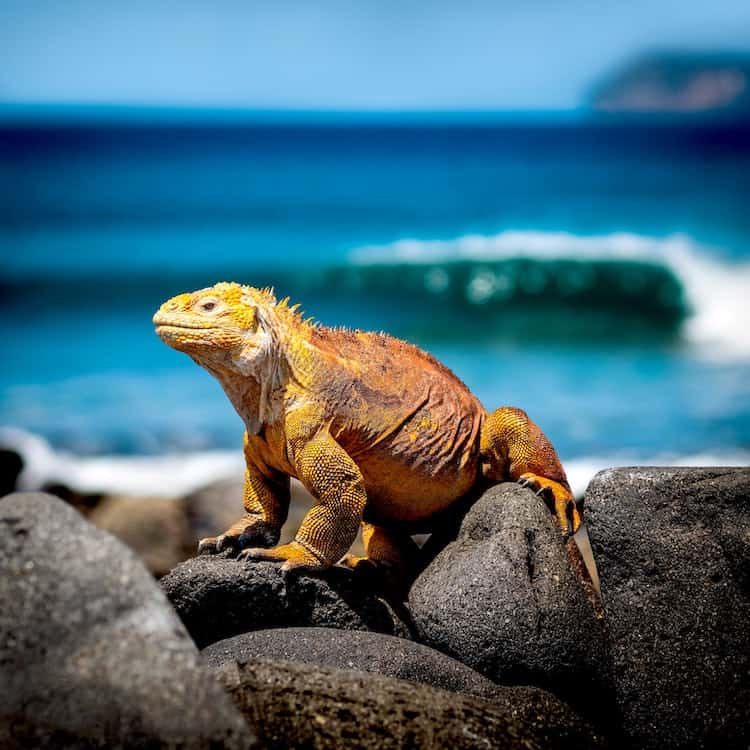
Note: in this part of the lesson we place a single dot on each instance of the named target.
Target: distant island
(678, 84)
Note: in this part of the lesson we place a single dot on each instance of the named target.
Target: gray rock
(358, 650)
(153, 527)
(217, 598)
(673, 549)
(212, 509)
(91, 654)
(299, 705)
(502, 598)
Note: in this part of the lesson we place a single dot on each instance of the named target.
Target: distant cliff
(678, 84)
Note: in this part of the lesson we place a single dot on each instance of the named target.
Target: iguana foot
(352, 561)
(239, 537)
(212, 545)
(559, 500)
(293, 555)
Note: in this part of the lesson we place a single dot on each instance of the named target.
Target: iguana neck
(258, 394)
(250, 399)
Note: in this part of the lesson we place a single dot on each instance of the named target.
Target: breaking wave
(671, 283)
(516, 285)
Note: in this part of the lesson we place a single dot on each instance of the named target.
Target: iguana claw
(558, 499)
(548, 496)
(213, 545)
(259, 533)
(293, 555)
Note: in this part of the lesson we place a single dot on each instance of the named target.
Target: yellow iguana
(377, 430)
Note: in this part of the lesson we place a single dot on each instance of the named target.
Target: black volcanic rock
(357, 650)
(217, 597)
(11, 465)
(300, 705)
(673, 549)
(91, 654)
(502, 598)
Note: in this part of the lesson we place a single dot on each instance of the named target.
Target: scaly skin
(378, 431)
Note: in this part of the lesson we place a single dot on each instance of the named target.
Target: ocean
(596, 275)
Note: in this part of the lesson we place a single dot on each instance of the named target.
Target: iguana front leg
(266, 501)
(513, 447)
(329, 528)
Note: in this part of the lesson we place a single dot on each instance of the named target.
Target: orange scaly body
(378, 431)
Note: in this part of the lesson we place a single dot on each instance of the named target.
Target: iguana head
(221, 326)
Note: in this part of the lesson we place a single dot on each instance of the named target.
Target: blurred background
(552, 198)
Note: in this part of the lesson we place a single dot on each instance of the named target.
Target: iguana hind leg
(513, 447)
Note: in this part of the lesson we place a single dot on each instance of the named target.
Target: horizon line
(31, 114)
(137, 109)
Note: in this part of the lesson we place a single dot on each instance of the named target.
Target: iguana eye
(208, 305)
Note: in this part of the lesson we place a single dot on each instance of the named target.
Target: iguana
(379, 431)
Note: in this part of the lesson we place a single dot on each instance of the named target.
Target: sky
(343, 54)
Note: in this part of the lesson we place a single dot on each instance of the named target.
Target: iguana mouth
(184, 326)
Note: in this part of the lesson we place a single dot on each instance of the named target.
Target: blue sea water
(596, 275)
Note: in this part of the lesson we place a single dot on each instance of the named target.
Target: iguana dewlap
(378, 431)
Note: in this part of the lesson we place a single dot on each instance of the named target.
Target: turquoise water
(596, 276)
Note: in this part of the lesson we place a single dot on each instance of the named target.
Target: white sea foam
(173, 475)
(717, 291)
(167, 475)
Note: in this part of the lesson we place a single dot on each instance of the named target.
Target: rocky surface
(354, 649)
(163, 531)
(300, 705)
(217, 597)
(673, 549)
(91, 654)
(502, 599)
(154, 527)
